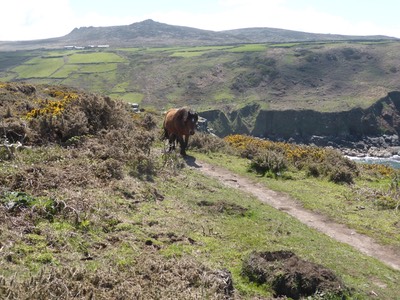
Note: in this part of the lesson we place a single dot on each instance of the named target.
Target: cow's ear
(193, 116)
(183, 114)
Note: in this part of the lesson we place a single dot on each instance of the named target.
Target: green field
(320, 76)
(95, 57)
(39, 68)
(63, 64)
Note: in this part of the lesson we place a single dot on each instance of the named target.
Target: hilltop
(150, 33)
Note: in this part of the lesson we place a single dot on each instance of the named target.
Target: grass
(105, 213)
(39, 68)
(187, 53)
(191, 75)
(249, 48)
(225, 238)
(65, 71)
(129, 97)
(333, 200)
(98, 68)
(95, 57)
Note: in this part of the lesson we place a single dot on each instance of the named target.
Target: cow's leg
(186, 141)
(183, 145)
(171, 140)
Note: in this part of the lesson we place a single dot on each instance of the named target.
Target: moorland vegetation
(92, 207)
(344, 85)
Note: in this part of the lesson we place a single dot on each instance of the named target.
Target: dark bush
(313, 170)
(341, 175)
(268, 161)
(110, 169)
(334, 166)
(148, 122)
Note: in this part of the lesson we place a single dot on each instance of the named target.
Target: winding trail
(317, 221)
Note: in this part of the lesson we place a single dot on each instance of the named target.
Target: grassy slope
(167, 220)
(342, 203)
(320, 76)
(227, 239)
(118, 222)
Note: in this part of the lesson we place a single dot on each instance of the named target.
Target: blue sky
(28, 19)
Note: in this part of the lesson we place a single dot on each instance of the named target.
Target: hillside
(242, 74)
(91, 207)
(150, 33)
(318, 76)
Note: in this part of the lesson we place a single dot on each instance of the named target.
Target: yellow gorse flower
(52, 107)
(292, 152)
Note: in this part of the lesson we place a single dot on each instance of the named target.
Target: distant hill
(150, 33)
(276, 35)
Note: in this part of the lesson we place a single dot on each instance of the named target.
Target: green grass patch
(98, 68)
(129, 49)
(95, 57)
(65, 71)
(39, 68)
(120, 87)
(187, 53)
(249, 48)
(198, 51)
(224, 96)
(128, 97)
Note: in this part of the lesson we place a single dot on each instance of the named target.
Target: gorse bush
(97, 128)
(87, 114)
(275, 157)
(341, 175)
(268, 161)
(57, 114)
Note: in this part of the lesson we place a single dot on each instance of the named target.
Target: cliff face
(381, 118)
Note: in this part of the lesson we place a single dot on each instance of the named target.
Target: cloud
(26, 19)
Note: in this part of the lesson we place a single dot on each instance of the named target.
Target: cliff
(381, 118)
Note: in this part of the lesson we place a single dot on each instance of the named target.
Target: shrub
(341, 175)
(143, 166)
(268, 161)
(109, 169)
(204, 142)
(148, 122)
(70, 114)
(316, 161)
(378, 170)
(313, 170)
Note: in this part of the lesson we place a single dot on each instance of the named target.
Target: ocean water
(393, 161)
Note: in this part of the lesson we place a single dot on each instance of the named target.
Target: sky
(39, 19)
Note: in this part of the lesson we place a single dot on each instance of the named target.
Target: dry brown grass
(150, 278)
(75, 169)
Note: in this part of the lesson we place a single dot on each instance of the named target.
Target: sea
(393, 161)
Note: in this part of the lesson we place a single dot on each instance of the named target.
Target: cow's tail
(164, 134)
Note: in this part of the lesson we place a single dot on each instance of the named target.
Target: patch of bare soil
(291, 276)
(319, 222)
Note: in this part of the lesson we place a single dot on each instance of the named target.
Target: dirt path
(319, 222)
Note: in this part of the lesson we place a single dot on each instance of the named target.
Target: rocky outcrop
(378, 125)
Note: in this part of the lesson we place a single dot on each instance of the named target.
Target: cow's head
(190, 121)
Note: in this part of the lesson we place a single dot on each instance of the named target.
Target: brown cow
(178, 125)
